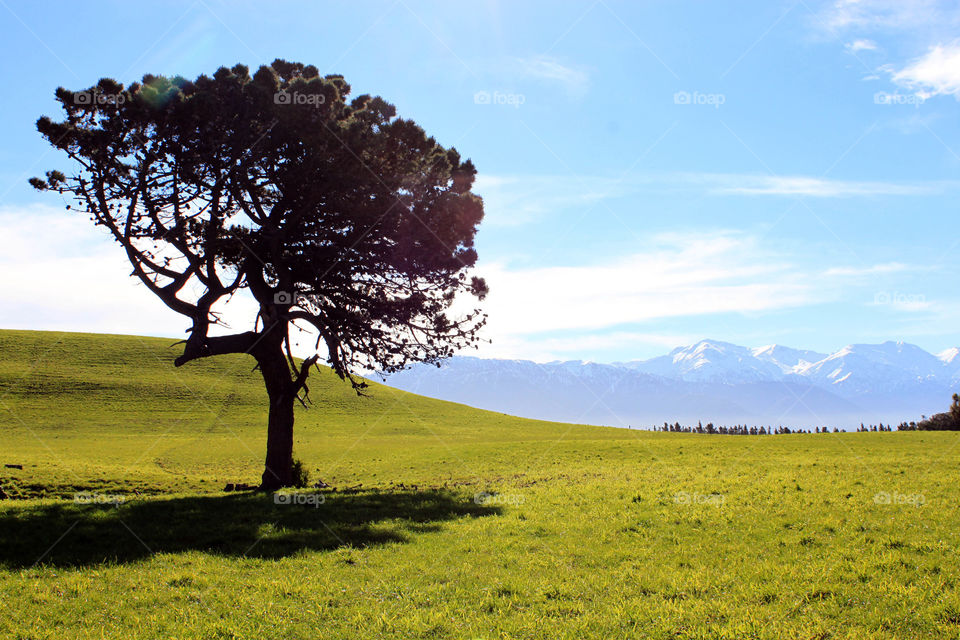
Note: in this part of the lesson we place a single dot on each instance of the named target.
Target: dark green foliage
(939, 422)
(949, 421)
(332, 213)
(301, 475)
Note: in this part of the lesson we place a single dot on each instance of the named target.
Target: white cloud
(911, 306)
(905, 26)
(679, 280)
(516, 200)
(574, 79)
(819, 187)
(940, 320)
(884, 14)
(935, 73)
(680, 275)
(64, 274)
(61, 273)
(519, 200)
(873, 270)
(862, 44)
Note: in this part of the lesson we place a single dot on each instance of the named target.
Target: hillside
(443, 521)
(133, 417)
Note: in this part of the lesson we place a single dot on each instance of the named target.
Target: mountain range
(710, 381)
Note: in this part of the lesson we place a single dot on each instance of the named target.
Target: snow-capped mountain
(951, 361)
(787, 359)
(710, 361)
(863, 369)
(715, 361)
(709, 381)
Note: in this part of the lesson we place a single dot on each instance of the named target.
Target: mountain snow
(948, 356)
(707, 381)
(715, 361)
(789, 360)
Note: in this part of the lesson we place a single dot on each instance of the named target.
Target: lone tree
(333, 214)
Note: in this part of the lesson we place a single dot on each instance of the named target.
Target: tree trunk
(278, 468)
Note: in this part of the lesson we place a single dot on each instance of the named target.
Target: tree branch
(301, 380)
(218, 345)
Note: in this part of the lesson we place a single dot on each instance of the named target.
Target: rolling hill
(442, 521)
(137, 420)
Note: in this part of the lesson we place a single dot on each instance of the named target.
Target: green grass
(443, 521)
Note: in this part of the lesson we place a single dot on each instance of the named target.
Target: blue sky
(654, 172)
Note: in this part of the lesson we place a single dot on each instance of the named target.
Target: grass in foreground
(446, 522)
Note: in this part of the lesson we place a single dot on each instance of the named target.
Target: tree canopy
(334, 214)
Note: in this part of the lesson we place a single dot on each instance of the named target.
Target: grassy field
(442, 521)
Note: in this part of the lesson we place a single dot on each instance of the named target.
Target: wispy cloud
(862, 44)
(908, 26)
(519, 200)
(940, 319)
(79, 281)
(912, 305)
(573, 79)
(62, 273)
(678, 280)
(819, 187)
(872, 270)
(935, 73)
(884, 14)
(680, 275)
(516, 200)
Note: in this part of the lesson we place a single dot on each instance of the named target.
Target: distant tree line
(949, 421)
(736, 430)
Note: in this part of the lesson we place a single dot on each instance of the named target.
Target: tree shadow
(241, 524)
